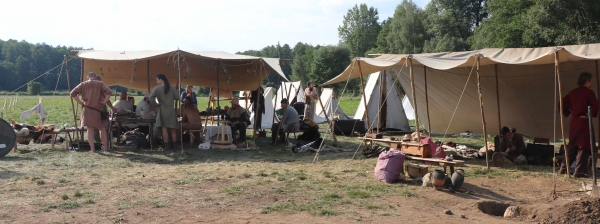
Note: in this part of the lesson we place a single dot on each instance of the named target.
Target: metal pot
(458, 177)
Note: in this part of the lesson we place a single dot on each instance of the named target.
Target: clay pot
(438, 178)
(458, 177)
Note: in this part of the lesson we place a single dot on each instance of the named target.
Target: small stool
(193, 135)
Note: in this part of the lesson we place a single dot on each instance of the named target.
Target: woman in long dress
(163, 97)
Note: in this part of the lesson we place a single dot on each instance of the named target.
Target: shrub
(34, 88)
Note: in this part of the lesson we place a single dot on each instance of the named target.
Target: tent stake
(412, 85)
(362, 82)
(427, 101)
(73, 105)
(487, 155)
(562, 124)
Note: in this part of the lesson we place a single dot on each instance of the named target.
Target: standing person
(94, 96)
(575, 104)
(256, 95)
(238, 117)
(289, 122)
(163, 97)
(310, 98)
(189, 91)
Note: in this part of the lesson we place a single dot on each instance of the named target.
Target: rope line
(459, 99)
(45, 73)
(57, 80)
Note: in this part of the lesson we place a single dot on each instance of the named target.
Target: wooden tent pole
(116, 93)
(258, 90)
(598, 90)
(427, 101)
(73, 105)
(412, 85)
(487, 155)
(498, 99)
(379, 101)
(331, 127)
(275, 105)
(562, 124)
(178, 101)
(218, 92)
(362, 82)
(384, 96)
(148, 74)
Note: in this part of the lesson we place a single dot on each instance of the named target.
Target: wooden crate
(415, 171)
(413, 148)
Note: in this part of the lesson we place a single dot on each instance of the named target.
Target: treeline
(444, 26)
(21, 62)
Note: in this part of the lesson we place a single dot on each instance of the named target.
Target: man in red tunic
(576, 105)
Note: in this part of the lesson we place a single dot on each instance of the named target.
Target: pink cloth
(389, 166)
(434, 150)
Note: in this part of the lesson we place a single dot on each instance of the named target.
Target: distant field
(58, 108)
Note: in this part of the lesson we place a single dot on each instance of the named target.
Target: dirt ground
(38, 185)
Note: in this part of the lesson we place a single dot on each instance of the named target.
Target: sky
(226, 25)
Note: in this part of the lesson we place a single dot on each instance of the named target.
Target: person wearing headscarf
(164, 96)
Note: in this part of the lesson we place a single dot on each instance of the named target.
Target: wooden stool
(193, 135)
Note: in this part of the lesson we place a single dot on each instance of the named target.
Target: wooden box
(415, 171)
(414, 148)
(374, 135)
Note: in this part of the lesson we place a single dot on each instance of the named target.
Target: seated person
(144, 106)
(290, 122)
(511, 146)
(122, 104)
(132, 101)
(239, 119)
(189, 91)
(190, 120)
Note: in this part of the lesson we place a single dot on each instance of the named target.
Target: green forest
(442, 26)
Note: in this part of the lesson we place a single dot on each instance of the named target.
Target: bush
(34, 88)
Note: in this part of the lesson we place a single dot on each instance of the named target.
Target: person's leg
(104, 138)
(174, 138)
(582, 162)
(258, 122)
(242, 128)
(274, 128)
(90, 136)
(165, 135)
(572, 156)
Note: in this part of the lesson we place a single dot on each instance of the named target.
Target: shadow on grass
(8, 174)
(479, 193)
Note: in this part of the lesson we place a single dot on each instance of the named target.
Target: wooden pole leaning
(331, 127)
(73, 105)
(498, 100)
(487, 155)
(427, 101)
(364, 96)
(562, 124)
(412, 86)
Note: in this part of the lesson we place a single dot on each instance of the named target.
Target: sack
(389, 166)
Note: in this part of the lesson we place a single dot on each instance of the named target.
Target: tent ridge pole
(487, 155)
(412, 85)
(427, 101)
(562, 124)
(364, 96)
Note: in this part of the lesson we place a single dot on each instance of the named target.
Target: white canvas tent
(288, 90)
(267, 117)
(332, 108)
(408, 109)
(517, 85)
(394, 113)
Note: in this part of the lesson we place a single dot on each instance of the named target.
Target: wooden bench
(442, 162)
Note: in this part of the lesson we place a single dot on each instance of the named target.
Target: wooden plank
(454, 162)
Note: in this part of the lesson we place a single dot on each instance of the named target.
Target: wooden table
(128, 120)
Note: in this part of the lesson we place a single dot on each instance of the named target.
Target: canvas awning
(138, 69)
(526, 81)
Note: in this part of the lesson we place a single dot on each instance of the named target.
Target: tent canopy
(408, 109)
(332, 108)
(138, 69)
(526, 86)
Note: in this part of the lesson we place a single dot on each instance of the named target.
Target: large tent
(290, 90)
(408, 109)
(519, 86)
(331, 105)
(138, 69)
(392, 114)
(267, 117)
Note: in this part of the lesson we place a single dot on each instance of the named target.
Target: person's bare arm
(114, 110)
